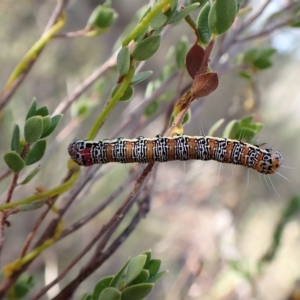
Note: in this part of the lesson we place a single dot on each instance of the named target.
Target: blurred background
(209, 223)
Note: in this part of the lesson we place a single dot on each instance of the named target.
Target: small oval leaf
(32, 109)
(33, 129)
(117, 277)
(127, 94)
(46, 123)
(202, 24)
(153, 266)
(30, 175)
(139, 77)
(14, 161)
(221, 16)
(156, 277)
(135, 267)
(141, 278)
(42, 111)
(149, 254)
(194, 60)
(151, 108)
(123, 61)
(100, 286)
(15, 140)
(86, 296)
(110, 294)
(184, 12)
(102, 17)
(138, 291)
(54, 122)
(205, 84)
(146, 48)
(36, 152)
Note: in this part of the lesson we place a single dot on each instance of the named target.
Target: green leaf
(292, 208)
(203, 29)
(162, 18)
(54, 122)
(153, 266)
(30, 175)
(102, 17)
(139, 77)
(259, 58)
(46, 123)
(181, 50)
(42, 111)
(151, 108)
(245, 74)
(141, 278)
(117, 277)
(296, 24)
(149, 254)
(184, 12)
(110, 294)
(231, 130)
(245, 128)
(157, 277)
(15, 139)
(100, 286)
(263, 60)
(127, 94)
(137, 292)
(250, 55)
(86, 296)
(123, 61)
(14, 161)
(222, 15)
(23, 285)
(135, 267)
(32, 109)
(146, 48)
(159, 21)
(187, 117)
(246, 121)
(33, 129)
(36, 152)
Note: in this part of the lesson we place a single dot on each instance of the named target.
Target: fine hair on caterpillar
(178, 147)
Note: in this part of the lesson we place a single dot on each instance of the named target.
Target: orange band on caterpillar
(181, 147)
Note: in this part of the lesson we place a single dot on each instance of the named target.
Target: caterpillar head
(270, 162)
(276, 158)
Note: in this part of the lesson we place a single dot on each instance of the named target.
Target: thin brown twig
(264, 32)
(5, 173)
(81, 88)
(3, 214)
(72, 34)
(30, 236)
(7, 94)
(9, 281)
(128, 119)
(12, 187)
(247, 23)
(105, 232)
(82, 221)
(60, 6)
(67, 292)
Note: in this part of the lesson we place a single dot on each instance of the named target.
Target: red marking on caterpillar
(180, 147)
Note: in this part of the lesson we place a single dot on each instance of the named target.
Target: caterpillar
(178, 147)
